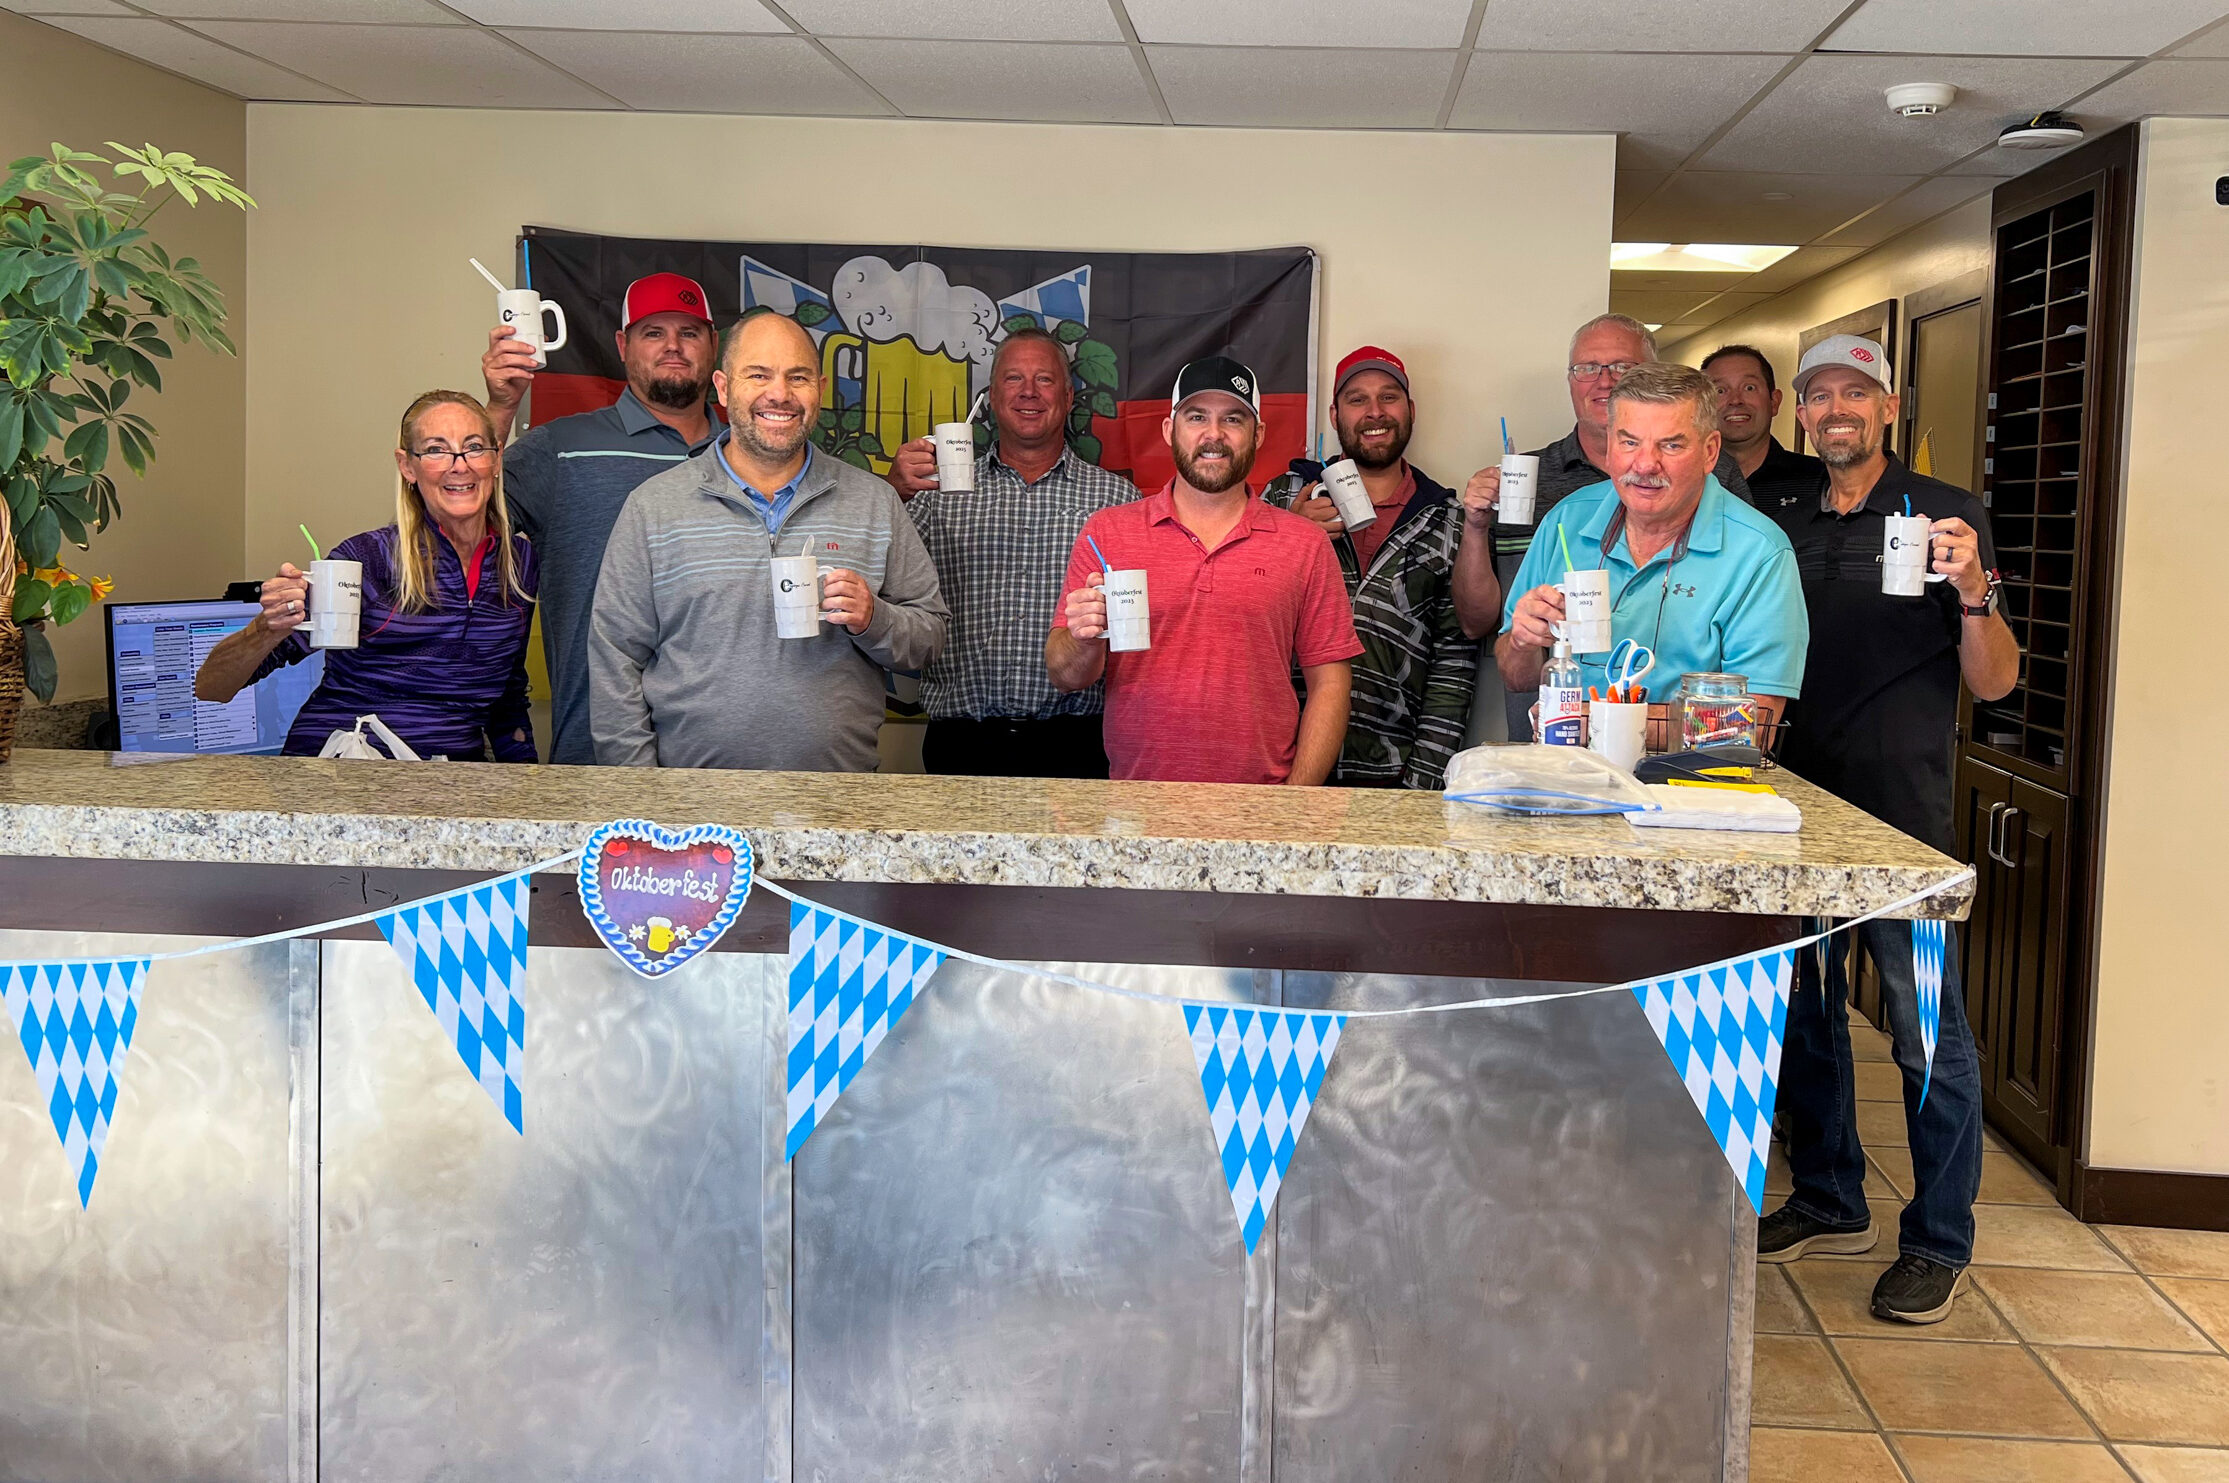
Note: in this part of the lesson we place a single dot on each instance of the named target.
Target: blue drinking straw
(1319, 445)
(1104, 564)
(1506, 445)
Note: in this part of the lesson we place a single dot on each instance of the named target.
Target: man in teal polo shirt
(1695, 574)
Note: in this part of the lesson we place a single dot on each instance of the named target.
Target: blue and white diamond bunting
(1723, 1029)
(1928, 943)
(75, 1022)
(466, 953)
(1261, 1070)
(848, 982)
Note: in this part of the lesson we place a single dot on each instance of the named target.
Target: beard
(678, 392)
(1239, 464)
(1850, 453)
(1386, 457)
(748, 433)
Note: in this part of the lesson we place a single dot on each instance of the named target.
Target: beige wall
(180, 533)
(364, 298)
(1935, 253)
(2160, 1066)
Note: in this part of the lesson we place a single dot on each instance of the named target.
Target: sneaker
(1916, 1290)
(1788, 1234)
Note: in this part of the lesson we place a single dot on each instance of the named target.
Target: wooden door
(1983, 795)
(2032, 835)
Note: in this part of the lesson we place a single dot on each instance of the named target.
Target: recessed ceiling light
(1778, 196)
(1652, 328)
(1694, 257)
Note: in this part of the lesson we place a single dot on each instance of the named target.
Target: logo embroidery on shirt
(1682, 589)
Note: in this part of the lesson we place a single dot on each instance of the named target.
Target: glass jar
(1715, 710)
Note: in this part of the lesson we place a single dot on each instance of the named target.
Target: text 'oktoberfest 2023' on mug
(1586, 611)
(1343, 482)
(797, 596)
(336, 603)
(1129, 623)
(1520, 480)
(955, 457)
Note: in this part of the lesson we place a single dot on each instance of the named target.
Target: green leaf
(1069, 331)
(1087, 448)
(39, 672)
(810, 314)
(73, 529)
(71, 601)
(88, 446)
(31, 597)
(137, 450)
(1102, 404)
(1096, 364)
(826, 421)
(870, 445)
(42, 538)
(856, 459)
(852, 419)
(1020, 322)
(11, 430)
(74, 505)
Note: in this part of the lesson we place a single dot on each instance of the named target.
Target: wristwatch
(1988, 603)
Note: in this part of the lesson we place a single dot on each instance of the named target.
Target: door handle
(2004, 839)
(1989, 847)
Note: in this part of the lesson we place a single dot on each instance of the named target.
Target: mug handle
(551, 306)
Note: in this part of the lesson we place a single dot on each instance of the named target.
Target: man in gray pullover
(685, 666)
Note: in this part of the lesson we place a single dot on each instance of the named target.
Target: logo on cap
(689, 296)
(1238, 384)
(1859, 352)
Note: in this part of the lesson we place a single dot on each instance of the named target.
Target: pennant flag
(1928, 943)
(1261, 1070)
(466, 952)
(848, 983)
(75, 1022)
(1723, 1030)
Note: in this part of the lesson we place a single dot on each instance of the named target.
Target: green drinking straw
(1567, 566)
(315, 555)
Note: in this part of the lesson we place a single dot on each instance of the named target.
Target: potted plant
(89, 302)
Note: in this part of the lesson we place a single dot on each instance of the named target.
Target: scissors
(1630, 662)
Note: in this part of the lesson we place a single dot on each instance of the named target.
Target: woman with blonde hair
(448, 598)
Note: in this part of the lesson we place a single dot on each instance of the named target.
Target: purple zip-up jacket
(451, 681)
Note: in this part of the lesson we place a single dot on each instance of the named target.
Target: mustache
(1203, 450)
(1646, 481)
(777, 404)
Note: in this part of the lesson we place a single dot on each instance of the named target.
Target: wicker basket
(11, 642)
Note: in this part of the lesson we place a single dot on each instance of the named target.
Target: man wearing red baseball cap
(567, 479)
(1423, 592)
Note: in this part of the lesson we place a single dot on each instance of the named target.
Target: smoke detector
(2047, 130)
(1919, 99)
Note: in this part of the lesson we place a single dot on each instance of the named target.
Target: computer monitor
(154, 650)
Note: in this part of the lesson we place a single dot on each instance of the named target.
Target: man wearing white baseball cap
(1876, 725)
(567, 479)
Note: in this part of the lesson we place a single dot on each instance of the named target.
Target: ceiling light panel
(1302, 89)
(1664, 106)
(956, 20)
(1655, 25)
(1038, 82)
(456, 66)
(1694, 257)
(1421, 24)
(2023, 28)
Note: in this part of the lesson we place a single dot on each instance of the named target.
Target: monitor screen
(154, 649)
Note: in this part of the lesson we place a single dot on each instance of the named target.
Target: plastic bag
(353, 743)
(1537, 780)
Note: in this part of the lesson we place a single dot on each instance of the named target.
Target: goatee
(1385, 457)
(679, 392)
(1234, 469)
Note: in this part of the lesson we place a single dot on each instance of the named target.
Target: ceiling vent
(1920, 99)
(2047, 130)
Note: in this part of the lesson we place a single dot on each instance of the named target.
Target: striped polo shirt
(567, 481)
(451, 681)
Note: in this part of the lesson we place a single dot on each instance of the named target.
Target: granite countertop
(909, 828)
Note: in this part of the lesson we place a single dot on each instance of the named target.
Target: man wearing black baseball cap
(1240, 593)
(567, 479)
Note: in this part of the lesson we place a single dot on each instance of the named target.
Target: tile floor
(2076, 1354)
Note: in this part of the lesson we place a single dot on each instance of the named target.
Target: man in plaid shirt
(1000, 554)
(1411, 581)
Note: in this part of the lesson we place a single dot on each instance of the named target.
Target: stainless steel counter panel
(145, 1338)
(1015, 1254)
(580, 1303)
(1503, 1249)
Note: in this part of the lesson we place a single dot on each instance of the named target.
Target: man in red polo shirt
(1240, 592)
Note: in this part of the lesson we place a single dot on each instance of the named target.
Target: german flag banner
(906, 334)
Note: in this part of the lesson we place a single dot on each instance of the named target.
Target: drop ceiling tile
(1730, 206)
(1661, 305)
(949, 20)
(1275, 89)
(199, 58)
(453, 66)
(2023, 28)
(2197, 87)
(2214, 43)
(1832, 110)
(1031, 81)
(1664, 107)
(1807, 262)
(67, 7)
(369, 12)
(1668, 335)
(1655, 25)
(1626, 280)
(1420, 24)
(1930, 198)
(665, 73)
(711, 16)
(1634, 187)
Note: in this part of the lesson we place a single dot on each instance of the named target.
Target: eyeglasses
(1587, 370)
(440, 457)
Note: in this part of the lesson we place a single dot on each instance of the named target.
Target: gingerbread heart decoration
(658, 897)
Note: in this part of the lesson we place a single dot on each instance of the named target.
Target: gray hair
(1625, 322)
(1670, 384)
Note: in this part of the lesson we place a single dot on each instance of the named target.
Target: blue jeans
(1818, 1097)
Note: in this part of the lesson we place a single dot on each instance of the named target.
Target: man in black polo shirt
(1748, 400)
(1875, 726)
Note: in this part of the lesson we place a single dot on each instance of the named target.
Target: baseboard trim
(2147, 1197)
